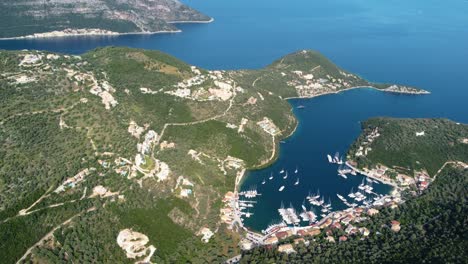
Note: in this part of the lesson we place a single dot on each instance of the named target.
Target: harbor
(311, 171)
(315, 205)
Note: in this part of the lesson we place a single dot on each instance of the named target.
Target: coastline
(190, 22)
(276, 145)
(394, 185)
(358, 87)
(103, 32)
(61, 34)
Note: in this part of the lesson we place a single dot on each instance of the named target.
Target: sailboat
(297, 182)
(336, 159)
(271, 176)
(296, 171)
(263, 182)
(285, 176)
(343, 175)
(340, 161)
(329, 158)
(317, 195)
(281, 171)
(281, 188)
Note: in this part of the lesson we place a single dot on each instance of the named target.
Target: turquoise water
(420, 43)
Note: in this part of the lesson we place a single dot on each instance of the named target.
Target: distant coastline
(191, 22)
(100, 32)
(86, 32)
(421, 92)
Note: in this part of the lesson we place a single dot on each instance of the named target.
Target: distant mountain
(28, 17)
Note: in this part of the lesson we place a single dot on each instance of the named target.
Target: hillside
(409, 146)
(29, 17)
(127, 143)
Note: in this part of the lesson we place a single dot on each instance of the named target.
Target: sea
(421, 43)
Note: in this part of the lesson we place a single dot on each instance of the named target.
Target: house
(302, 232)
(330, 239)
(314, 232)
(372, 211)
(271, 240)
(364, 231)
(336, 225)
(286, 248)
(423, 185)
(343, 238)
(395, 226)
(283, 234)
(300, 240)
(351, 230)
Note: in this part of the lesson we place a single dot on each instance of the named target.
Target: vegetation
(56, 121)
(433, 230)
(398, 145)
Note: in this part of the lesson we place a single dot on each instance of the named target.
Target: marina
(309, 199)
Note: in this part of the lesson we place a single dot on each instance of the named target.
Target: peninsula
(122, 148)
(57, 18)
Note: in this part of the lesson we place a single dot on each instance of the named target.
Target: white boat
(323, 215)
(271, 177)
(297, 182)
(317, 195)
(285, 176)
(281, 188)
(343, 175)
(336, 159)
(330, 158)
(341, 197)
(340, 161)
(296, 171)
(304, 208)
(281, 171)
(263, 182)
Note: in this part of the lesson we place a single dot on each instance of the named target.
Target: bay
(420, 43)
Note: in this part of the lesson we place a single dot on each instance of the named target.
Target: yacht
(281, 188)
(297, 182)
(285, 176)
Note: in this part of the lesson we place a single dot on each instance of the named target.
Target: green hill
(409, 145)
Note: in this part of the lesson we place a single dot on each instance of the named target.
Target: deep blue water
(420, 42)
